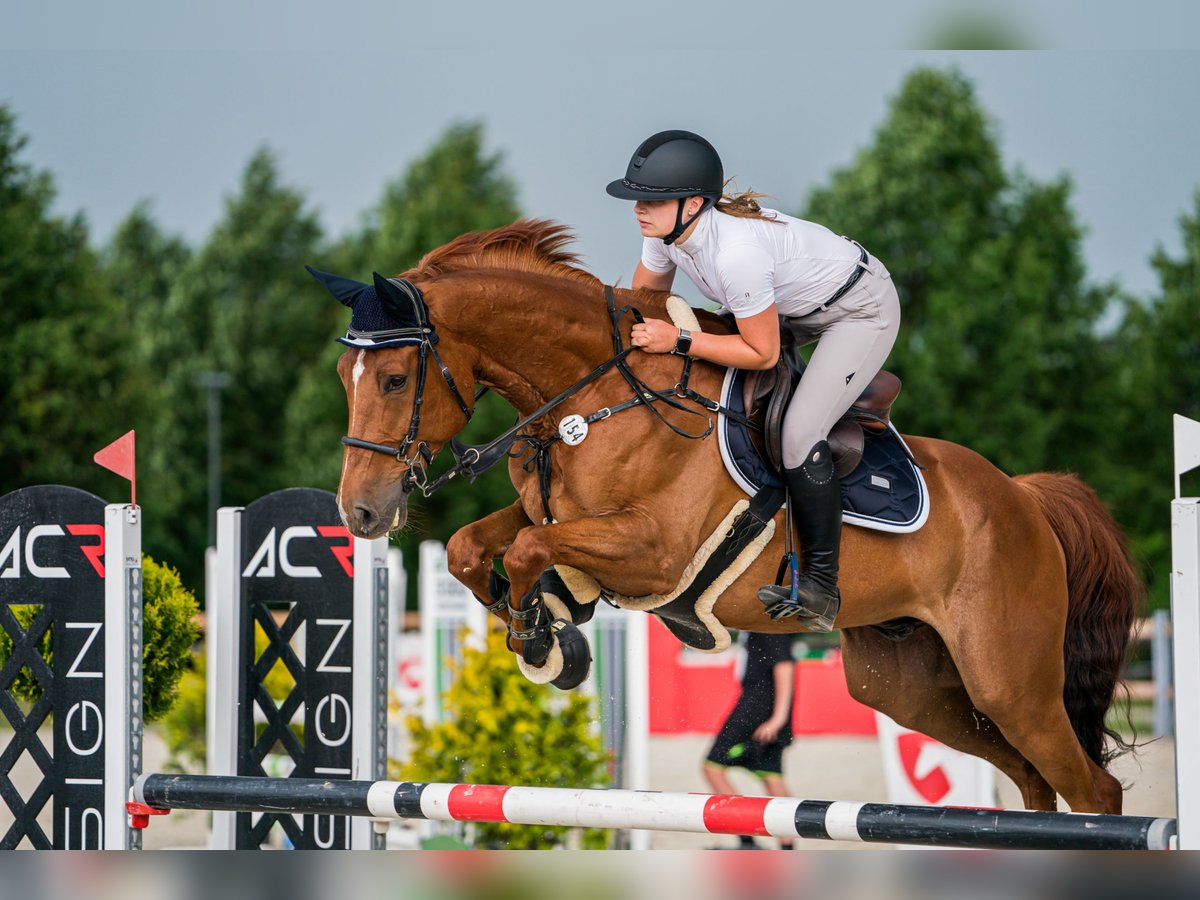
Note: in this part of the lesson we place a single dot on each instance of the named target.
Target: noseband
(425, 338)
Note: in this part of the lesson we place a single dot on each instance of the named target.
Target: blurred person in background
(759, 727)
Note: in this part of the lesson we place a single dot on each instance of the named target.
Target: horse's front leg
(469, 554)
(623, 550)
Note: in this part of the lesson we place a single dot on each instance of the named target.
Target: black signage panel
(52, 587)
(297, 567)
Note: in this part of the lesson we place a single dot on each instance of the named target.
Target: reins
(472, 461)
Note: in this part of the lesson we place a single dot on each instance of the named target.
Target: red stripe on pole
(477, 802)
(727, 814)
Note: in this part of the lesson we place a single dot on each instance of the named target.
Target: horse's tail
(1105, 594)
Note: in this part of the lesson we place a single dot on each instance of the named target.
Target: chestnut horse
(1023, 588)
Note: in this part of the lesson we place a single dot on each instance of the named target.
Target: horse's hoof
(577, 656)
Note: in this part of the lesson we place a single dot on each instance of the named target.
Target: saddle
(767, 393)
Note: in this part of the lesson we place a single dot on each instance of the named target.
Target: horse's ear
(400, 304)
(344, 290)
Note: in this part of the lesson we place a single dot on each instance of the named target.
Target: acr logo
(263, 563)
(16, 550)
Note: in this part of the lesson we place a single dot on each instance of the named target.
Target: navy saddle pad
(885, 491)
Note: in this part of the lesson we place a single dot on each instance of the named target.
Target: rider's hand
(655, 336)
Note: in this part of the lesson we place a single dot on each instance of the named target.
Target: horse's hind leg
(916, 684)
(1014, 676)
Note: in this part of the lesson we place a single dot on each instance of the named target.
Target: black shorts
(735, 744)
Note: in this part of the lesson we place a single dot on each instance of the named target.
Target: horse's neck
(546, 335)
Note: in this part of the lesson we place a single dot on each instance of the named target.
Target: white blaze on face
(357, 371)
(355, 374)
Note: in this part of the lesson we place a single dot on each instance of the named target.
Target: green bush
(503, 729)
(168, 632)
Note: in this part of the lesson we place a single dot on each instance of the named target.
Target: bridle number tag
(573, 429)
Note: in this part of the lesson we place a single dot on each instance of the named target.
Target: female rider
(766, 267)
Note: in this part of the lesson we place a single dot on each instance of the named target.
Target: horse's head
(392, 371)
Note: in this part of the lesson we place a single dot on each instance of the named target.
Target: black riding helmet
(673, 165)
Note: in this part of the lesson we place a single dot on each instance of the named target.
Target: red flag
(120, 457)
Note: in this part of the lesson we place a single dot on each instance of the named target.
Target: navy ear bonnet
(389, 313)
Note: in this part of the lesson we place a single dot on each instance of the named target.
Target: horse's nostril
(366, 517)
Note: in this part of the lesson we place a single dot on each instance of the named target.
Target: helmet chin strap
(680, 225)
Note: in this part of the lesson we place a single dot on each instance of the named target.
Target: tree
(998, 346)
(241, 305)
(142, 264)
(1159, 374)
(68, 383)
(452, 189)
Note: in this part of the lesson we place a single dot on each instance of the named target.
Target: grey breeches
(854, 337)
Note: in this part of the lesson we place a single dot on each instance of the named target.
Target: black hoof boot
(577, 656)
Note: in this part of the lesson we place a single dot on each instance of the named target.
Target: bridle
(425, 337)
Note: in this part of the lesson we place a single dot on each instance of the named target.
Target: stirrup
(782, 602)
(771, 594)
(780, 605)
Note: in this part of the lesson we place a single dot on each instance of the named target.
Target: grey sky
(135, 100)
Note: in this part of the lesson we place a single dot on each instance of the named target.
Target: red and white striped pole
(782, 817)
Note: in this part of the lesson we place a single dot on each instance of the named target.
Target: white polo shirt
(748, 264)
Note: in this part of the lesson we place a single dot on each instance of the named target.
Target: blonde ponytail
(744, 206)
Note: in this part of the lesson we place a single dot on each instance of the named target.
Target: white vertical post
(122, 669)
(445, 607)
(223, 646)
(1160, 663)
(1185, 636)
(397, 592)
(429, 561)
(1185, 614)
(211, 617)
(637, 712)
(369, 693)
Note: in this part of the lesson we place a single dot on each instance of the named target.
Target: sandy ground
(820, 768)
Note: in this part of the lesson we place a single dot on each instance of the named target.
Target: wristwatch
(683, 343)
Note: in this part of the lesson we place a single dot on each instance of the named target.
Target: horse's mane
(527, 245)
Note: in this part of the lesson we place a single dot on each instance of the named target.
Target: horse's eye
(395, 383)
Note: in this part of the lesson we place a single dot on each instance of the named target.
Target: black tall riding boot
(815, 495)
